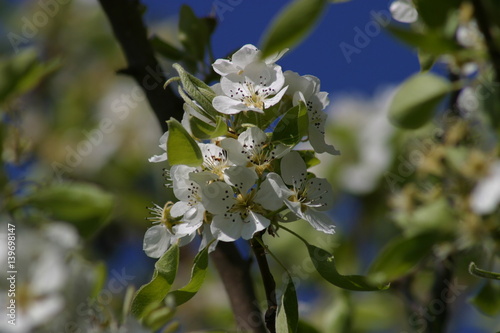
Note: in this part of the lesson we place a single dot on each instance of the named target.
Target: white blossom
(163, 145)
(306, 89)
(307, 198)
(404, 11)
(485, 197)
(257, 88)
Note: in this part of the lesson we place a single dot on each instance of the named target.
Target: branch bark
(235, 274)
(130, 32)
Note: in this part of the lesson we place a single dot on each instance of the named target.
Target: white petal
(224, 67)
(319, 221)
(206, 238)
(317, 140)
(267, 196)
(319, 193)
(217, 197)
(234, 151)
(227, 228)
(245, 56)
(43, 309)
(275, 57)
(293, 169)
(158, 158)
(180, 208)
(49, 272)
(278, 185)
(163, 141)
(403, 11)
(275, 99)
(240, 177)
(157, 240)
(486, 195)
(254, 223)
(227, 105)
(252, 136)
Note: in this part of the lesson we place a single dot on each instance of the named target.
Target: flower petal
(217, 197)
(318, 221)
(254, 223)
(227, 227)
(240, 177)
(293, 169)
(267, 196)
(157, 240)
(234, 151)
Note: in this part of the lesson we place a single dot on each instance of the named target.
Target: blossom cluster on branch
(231, 161)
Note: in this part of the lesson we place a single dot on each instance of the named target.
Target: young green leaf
(165, 49)
(157, 289)
(293, 126)
(181, 147)
(202, 130)
(200, 266)
(86, 206)
(292, 25)
(287, 318)
(402, 254)
(193, 33)
(416, 100)
(324, 263)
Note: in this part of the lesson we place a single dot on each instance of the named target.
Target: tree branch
(235, 274)
(130, 32)
(269, 283)
(483, 23)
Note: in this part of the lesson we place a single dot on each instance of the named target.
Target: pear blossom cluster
(250, 180)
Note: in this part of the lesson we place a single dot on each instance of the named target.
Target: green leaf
(181, 147)
(426, 61)
(431, 42)
(202, 130)
(401, 255)
(488, 299)
(23, 72)
(324, 263)
(84, 205)
(165, 49)
(309, 156)
(197, 90)
(264, 120)
(193, 33)
(305, 327)
(292, 25)
(293, 126)
(483, 273)
(154, 292)
(416, 100)
(200, 266)
(288, 314)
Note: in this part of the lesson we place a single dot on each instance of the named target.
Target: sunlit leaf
(431, 42)
(288, 314)
(157, 289)
(202, 130)
(292, 25)
(416, 100)
(198, 274)
(181, 147)
(84, 205)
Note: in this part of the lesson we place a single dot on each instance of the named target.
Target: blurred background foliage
(75, 138)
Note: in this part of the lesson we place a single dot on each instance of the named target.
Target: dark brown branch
(483, 23)
(269, 284)
(235, 274)
(130, 32)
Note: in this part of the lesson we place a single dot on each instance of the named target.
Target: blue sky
(376, 59)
